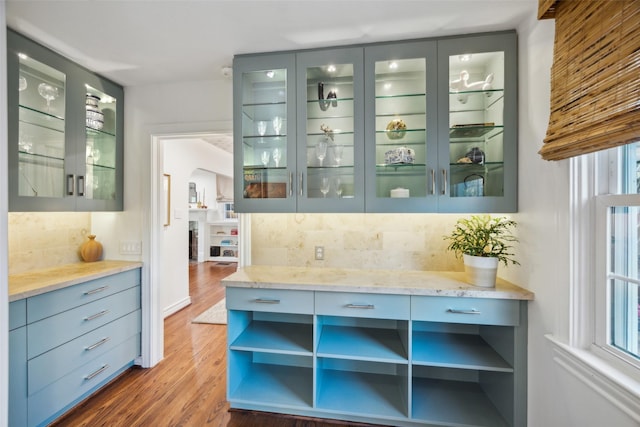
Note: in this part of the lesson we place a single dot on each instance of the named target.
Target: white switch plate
(130, 247)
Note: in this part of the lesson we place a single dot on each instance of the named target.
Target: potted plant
(483, 242)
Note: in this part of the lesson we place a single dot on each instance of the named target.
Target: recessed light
(270, 74)
(465, 58)
(393, 65)
(331, 68)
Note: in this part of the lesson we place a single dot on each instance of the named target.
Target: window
(617, 265)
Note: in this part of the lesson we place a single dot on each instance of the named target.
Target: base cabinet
(70, 342)
(384, 359)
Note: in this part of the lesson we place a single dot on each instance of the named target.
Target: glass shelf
(41, 159)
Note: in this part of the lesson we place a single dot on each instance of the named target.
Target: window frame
(593, 188)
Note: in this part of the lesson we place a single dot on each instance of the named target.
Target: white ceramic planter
(481, 271)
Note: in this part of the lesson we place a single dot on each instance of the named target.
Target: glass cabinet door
(101, 147)
(41, 130)
(264, 154)
(401, 151)
(330, 131)
(480, 124)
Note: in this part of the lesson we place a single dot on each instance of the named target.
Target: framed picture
(166, 191)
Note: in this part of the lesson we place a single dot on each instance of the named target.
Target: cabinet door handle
(266, 301)
(290, 184)
(71, 184)
(80, 185)
(96, 373)
(96, 290)
(300, 183)
(456, 311)
(95, 316)
(96, 345)
(361, 306)
(433, 181)
(444, 181)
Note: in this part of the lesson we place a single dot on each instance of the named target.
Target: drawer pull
(98, 344)
(96, 290)
(361, 306)
(267, 301)
(472, 311)
(95, 316)
(96, 373)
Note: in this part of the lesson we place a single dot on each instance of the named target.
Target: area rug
(216, 314)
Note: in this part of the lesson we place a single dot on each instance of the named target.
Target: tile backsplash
(369, 241)
(45, 239)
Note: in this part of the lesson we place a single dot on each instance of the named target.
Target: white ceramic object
(400, 192)
(481, 271)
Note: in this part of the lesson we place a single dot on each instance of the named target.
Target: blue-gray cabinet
(298, 135)
(402, 360)
(66, 133)
(68, 343)
(410, 126)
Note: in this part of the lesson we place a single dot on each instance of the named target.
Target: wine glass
(324, 186)
(22, 83)
(338, 186)
(277, 124)
(265, 158)
(277, 155)
(321, 150)
(337, 153)
(48, 92)
(262, 129)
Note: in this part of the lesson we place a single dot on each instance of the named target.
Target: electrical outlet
(319, 253)
(130, 248)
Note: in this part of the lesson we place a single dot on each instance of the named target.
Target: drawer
(54, 302)
(54, 364)
(375, 306)
(270, 300)
(480, 311)
(17, 314)
(61, 328)
(59, 396)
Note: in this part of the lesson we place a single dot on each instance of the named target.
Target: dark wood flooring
(188, 388)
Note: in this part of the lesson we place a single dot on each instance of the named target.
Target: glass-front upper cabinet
(103, 151)
(330, 130)
(478, 123)
(264, 149)
(401, 149)
(47, 117)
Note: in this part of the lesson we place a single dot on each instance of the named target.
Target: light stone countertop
(25, 285)
(435, 283)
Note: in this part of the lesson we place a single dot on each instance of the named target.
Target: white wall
(181, 157)
(556, 397)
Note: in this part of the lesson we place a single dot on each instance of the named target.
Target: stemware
(22, 83)
(321, 150)
(265, 158)
(324, 186)
(337, 153)
(262, 128)
(277, 155)
(277, 125)
(48, 92)
(338, 186)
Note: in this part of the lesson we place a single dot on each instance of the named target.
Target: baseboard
(177, 306)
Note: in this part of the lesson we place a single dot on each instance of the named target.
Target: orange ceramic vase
(91, 250)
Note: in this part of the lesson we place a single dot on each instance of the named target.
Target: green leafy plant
(482, 235)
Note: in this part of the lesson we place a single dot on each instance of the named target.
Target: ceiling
(143, 42)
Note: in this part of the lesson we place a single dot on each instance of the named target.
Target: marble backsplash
(45, 239)
(367, 241)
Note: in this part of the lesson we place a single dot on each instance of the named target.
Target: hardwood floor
(188, 388)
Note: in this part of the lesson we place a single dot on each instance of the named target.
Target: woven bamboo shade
(595, 78)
